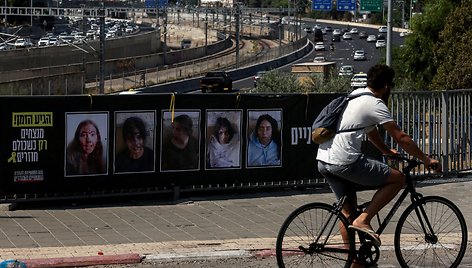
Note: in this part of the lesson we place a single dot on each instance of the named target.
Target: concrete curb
(83, 261)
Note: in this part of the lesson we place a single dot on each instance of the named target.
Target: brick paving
(198, 226)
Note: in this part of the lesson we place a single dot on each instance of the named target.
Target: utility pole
(238, 12)
(101, 14)
(388, 58)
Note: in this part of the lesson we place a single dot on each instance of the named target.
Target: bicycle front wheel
(315, 236)
(431, 233)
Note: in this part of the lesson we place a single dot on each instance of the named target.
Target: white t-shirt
(364, 111)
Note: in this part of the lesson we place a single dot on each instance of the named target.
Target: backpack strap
(351, 97)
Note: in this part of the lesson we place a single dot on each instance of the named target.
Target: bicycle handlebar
(411, 163)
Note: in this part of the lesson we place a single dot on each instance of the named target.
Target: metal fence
(440, 123)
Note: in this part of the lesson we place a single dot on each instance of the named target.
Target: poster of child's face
(264, 138)
(87, 144)
(134, 141)
(223, 131)
(180, 140)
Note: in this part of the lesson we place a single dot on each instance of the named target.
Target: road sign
(371, 5)
(346, 5)
(325, 5)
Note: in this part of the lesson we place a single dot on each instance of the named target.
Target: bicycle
(431, 232)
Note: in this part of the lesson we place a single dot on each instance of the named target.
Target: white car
(371, 38)
(359, 80)
(383, 29)
(21, 43)
(43, 41)
(346, 70)
(359, 55)
(336, 32)
(319, 46)
(354, 31)
(380, 44)
(347, 36)
(319, 59)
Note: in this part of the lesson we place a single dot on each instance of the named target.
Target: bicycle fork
(430, 236)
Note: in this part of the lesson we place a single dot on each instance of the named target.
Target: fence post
(444, 131)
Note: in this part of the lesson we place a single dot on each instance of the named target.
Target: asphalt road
(343, 53)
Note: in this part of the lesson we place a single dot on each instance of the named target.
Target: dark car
(363, 35)
(336, 38)
(380, 37)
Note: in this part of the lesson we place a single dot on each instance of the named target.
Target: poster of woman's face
(87, 144)
(264, 138)
(134, 141)
(223, 143)
(180, 141)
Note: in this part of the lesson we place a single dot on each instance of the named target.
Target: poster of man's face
(223, 139)
(264, 138)
(134, 141)
(180, 140)
(87, 144)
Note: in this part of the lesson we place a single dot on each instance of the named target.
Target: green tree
(453, 56)
(277, 82)
(417, 56)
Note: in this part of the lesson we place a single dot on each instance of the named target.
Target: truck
(216, 81)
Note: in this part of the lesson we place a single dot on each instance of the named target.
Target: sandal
(369, 232)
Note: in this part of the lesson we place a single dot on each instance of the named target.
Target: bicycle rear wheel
(311, 237)
(443, 246)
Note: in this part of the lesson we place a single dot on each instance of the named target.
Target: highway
(343, 53)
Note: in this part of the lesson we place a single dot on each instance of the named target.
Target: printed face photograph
(223, 139)
(87, 144)
(180, 140)
(134, 142)
(264, 138)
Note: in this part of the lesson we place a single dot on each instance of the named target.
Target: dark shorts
(343, 179)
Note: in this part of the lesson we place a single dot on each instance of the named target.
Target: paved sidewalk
(233, 225)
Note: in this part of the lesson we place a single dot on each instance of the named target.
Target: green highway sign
(371, 5)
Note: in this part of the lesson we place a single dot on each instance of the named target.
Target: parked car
(346, 70)
(359, 80)
(307, 30)
(380, 44)
(22, 43)
(319, 46)
(371, 38)
(43, 41)
(328, 29)
(258, 77)
(336, 32)
(383, 29)
(354, 31)
(359, 55)
(381, 37)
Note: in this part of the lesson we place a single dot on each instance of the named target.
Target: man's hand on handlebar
(432, 164)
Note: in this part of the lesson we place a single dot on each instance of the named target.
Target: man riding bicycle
(342, 163)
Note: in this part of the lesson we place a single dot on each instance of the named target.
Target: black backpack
(325, 125)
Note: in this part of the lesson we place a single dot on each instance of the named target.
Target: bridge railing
(440, 122)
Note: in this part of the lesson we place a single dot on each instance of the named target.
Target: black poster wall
(88, 143)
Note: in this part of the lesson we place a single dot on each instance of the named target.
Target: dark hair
(95, 157)
(223, 122)
(132, 123)
(185, 122)
(275, 128)
(379, 75)
(269, 119)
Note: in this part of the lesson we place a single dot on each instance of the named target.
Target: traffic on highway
(342, 51)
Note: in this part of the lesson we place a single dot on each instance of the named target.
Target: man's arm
(407, 143)
(374, 137)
